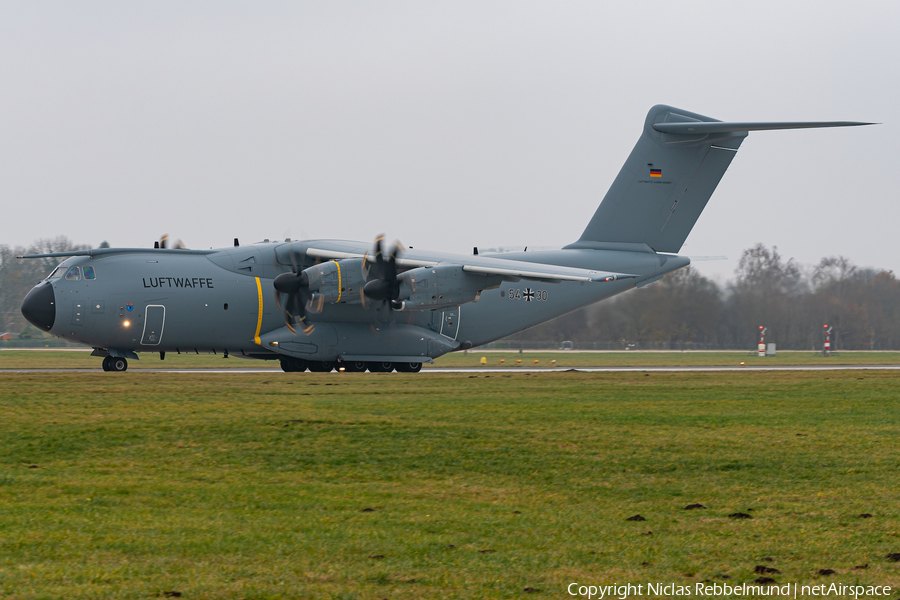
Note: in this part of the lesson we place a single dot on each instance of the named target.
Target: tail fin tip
(669, 177)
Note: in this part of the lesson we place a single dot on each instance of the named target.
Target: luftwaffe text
(178, 282)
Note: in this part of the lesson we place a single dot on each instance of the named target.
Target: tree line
(683, 310)
(687, 310)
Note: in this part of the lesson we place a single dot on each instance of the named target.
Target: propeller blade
(365, 267)
(298, 307)
(379, 257)
(381, 277)
(391, 274)
(296, 285)
(289, 320)
(317, 306)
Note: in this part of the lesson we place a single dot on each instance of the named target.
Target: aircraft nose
(39, 306)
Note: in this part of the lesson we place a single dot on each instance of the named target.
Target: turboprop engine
(440, 287)
(424, 288)
(335, 281)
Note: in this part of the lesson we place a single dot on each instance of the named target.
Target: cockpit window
(57, 273)
(73, 274)
(89, 273)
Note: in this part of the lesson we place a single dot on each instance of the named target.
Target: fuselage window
(57, 273)
(73, 274)
(89, 273)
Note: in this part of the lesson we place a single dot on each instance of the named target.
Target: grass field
(361, 486)
(81, 359)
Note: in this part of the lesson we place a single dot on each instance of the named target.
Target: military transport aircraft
(326, 304)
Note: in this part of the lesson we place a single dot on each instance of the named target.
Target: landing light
(127, 323)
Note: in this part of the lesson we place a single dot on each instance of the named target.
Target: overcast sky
(447, 125)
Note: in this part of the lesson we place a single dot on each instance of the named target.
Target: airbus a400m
(325, 304)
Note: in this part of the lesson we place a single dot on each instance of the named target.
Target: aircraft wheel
(412, 367)
(106, 363)
(324, 366)
(380, 367)
(118, 364)
(293, 365)
(354, 366)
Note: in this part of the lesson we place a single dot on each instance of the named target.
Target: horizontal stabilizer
(693, 128)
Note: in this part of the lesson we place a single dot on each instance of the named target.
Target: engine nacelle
(440, 287)
(335, 281)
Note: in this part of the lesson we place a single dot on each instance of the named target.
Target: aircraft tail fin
(669, 177)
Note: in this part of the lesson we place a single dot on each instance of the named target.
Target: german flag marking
(655, 172)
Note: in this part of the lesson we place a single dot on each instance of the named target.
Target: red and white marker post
(762, 342)
(827, 347)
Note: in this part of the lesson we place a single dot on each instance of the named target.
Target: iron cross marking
(528, 295)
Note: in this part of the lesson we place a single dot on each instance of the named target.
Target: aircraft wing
(516, 269)
(486, 265)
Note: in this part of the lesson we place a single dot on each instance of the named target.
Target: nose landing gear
(113, 363)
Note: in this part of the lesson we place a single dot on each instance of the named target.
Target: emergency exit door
(450, 323)
(154, 321)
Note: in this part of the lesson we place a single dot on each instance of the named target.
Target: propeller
(164, 241)
(381, 274)
(296, 286)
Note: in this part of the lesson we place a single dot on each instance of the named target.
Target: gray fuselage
(224, 301)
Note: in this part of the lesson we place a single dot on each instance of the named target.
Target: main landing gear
(326, 366)
(298, 365)
(290, 364)
(413, 367)
(380, 367)
(113, 363)
(293, 365)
